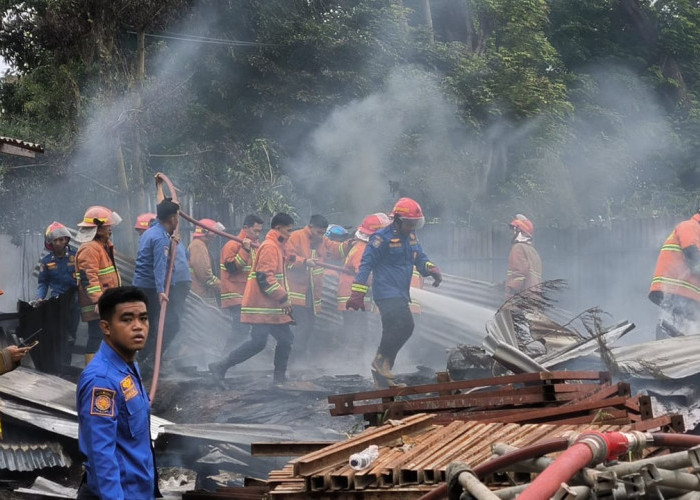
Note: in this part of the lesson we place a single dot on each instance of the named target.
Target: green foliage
(565, 110)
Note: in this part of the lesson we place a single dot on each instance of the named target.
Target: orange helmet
(371, 224)
(408, 210)
(54, 231)
(200, 232)
(98, 216)
(95, 216)
(143, 221)
(523, 224)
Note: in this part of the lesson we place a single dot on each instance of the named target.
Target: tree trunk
(428, 13)
(124, 190)
(138, 166)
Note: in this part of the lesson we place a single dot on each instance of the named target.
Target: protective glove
(356, 301)
(436, 274)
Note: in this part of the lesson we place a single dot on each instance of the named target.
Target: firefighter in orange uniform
(355, 322)
(236, 263)
(309, 246)
(675, 286)
(95, 268)
(205, 283)
(143, 222)
(524, 263)
(266, 304)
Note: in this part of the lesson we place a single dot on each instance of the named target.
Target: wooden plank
(313, 462)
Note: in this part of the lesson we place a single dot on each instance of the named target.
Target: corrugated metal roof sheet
(22, 144)
(29, 457)
(677, 357)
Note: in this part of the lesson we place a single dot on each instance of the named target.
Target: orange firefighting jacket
(524, 268)
(96, 271)
(266, 289)
(302, 279)
(352, 263)
(236, 264)
(204, 282)
(674, 275)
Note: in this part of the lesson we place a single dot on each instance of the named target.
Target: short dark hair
(281, 219)
(251, 219)
(166, 208)
(318, 220)
(112, 297)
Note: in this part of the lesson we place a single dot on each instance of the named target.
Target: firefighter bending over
(390, 256)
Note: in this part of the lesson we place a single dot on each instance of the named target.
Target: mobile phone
(32, 345)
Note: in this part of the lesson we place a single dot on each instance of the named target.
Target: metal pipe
(673, 478)
(471, 484)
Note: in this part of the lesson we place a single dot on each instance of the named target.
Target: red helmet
(200, 232)
(54, 231)
(371, 224)
(143, 221)
(408, 210)
(523, 224)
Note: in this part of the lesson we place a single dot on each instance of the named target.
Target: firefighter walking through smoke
(390, 256)
(675, 286)
(309, 246)
(236, 263)
(266, 305)
(524, 263)
(205, 283)
(96, 268)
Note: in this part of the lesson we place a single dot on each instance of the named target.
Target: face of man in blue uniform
(127, 330)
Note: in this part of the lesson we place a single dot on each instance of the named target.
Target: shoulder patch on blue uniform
(376, 241)
(128, 387)
(102, 402)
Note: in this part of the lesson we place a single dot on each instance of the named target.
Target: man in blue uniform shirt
(113, 408)
(57, 278)
(389, 257)
(149, 275)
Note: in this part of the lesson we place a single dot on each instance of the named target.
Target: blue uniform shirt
(114, 429)
(152, 260)
(57, 274)
(390, 258)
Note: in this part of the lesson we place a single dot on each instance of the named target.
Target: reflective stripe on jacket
(352, 263)
(236, 264)
(673, 274)
(204, 282)
(263, 298)
(304, 280)
(96, 271)
(524, 269)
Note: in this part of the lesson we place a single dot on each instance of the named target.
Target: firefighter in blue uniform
(57, 269)
(56, 278)
(113, 407)
(390, 256)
